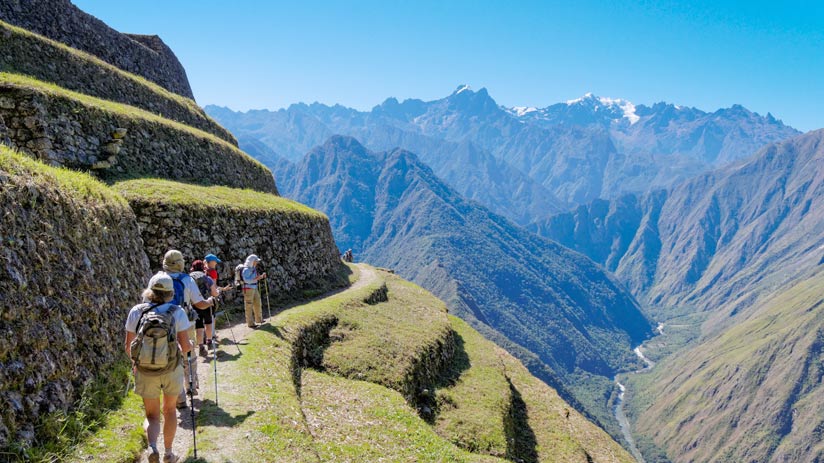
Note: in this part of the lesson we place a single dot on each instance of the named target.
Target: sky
(767, 56)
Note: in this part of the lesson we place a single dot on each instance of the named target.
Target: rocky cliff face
(60, 20)
(73, 264)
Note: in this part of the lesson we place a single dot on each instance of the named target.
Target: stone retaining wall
(297, 249)
(71, 266)
(90, 135)
(23, 52)
(61, 21)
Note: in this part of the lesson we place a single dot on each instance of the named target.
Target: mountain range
(710, 219)
(526, 163)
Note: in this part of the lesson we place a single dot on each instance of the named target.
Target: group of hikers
(177, 313)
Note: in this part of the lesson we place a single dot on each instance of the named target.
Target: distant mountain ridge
(565, 318)
(737, 251)
(527, 163)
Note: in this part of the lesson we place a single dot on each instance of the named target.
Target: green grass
(384, 343)
(88, 423)
(78, 184)
(196, 196)
(362, 421)
(136, 114)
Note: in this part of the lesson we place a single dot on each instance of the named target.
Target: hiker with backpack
(208, 288)
(211, 270)
(156, 341)
(249, 277)
(188, 296)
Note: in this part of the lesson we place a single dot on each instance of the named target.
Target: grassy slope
(194, 196)
(28, 83)
(83, 186)
(187, 104)
(269, 406)
(699, 406)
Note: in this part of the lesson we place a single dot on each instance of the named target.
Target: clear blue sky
(768, 56)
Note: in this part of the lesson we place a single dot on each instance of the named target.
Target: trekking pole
(192, 399)
(229, 322)
(128, 383)
(214, 345)
(268, 304)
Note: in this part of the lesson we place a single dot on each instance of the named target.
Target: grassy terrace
(17, 42)
(327, 380)
(195, 196)
(77, 184)
(9, 80)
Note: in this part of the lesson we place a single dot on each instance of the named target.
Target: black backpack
(200, 280)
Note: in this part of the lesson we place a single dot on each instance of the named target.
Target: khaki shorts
(149, 387)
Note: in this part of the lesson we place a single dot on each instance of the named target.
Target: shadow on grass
(210, 413)
(521, 444)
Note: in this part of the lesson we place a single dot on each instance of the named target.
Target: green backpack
(154, 350)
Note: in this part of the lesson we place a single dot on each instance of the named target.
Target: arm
(127, 345)
(214, 290)
(184, 342)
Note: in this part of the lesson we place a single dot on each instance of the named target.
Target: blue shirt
(249, 274)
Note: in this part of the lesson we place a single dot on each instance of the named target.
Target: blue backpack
(180, 290)
(178, 299)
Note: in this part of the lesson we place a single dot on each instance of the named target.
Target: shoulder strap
(144, 312)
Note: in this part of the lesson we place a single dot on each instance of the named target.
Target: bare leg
(169, 420)
(152, 423)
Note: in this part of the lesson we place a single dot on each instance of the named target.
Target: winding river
(620, 415)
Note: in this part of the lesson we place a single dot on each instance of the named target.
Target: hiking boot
(182, 405)
(154, 457)
(202, 351)
(170, 458)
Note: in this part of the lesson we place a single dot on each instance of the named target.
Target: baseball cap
(212, 258)
(161, 281)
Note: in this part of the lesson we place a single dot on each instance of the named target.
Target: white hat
(161, 281)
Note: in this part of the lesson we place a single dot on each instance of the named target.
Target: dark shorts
(204, 317)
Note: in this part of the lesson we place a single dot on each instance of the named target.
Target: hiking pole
(268, 304)
(214, 345)
(229, 322)
(192, 400)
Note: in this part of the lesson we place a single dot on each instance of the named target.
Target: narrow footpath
(218, 414)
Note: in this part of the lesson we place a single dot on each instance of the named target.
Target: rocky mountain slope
(527, 163)
(524, 292)
(732, 253)
(714, 238)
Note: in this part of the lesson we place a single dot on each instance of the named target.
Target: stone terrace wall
(64, 22)
(23, 52)
(297, 248)
(82, 136)
(71, 265)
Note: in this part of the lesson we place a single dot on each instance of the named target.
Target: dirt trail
(237, 330)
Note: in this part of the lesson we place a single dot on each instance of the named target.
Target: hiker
(208, 288)
(211, 270)
(251, 294)
(347, 256)
(169, 324)
(188, 296)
